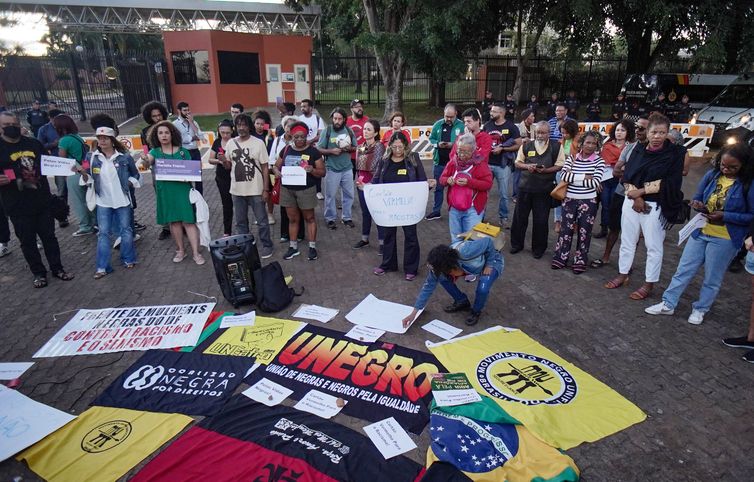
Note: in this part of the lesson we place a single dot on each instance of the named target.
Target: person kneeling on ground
(448, 263)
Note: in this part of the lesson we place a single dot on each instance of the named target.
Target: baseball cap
(355, 102)
(104, 131)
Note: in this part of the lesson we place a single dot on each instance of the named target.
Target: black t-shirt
(500, 134)
(29, 192)
(220, 171)
(292, 157)
(395, 172)
(444, 154)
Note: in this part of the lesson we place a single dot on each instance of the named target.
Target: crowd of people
(633, 180)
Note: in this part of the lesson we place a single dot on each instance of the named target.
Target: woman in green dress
(173, 204)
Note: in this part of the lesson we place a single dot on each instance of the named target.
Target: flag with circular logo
(557, 401)
(101, 444)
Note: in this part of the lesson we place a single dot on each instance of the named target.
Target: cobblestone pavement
(696, 392)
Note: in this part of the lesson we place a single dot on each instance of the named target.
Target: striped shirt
(575, 171)
(555, 133)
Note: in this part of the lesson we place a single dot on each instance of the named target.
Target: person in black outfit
(36, 117)
(533, 105)
(510, 107)
(25, 195)
(593, 111)
(551, 105)
(572, 104)
(487, 102)
(619, 107)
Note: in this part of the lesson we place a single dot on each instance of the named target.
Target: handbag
(559, 193)
(275, 194)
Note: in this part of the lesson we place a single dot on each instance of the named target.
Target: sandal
(199, 259)
(616, 282)
(40, 281)
(62, 275)
(100, 274)
(640, 294)
(179, 256)
(598, 263)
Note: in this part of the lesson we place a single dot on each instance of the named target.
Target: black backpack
(273, 294)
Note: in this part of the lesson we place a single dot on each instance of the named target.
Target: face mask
(12, 132)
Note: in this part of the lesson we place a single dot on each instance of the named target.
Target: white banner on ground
(383, 315)
(24, 422)
(132, 328)
(397, 204)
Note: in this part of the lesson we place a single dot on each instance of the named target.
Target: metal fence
(340, 79)
(85, 83)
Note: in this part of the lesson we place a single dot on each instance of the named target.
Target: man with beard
(505, 143)
(249, 181)
(337, 144)
(538, 162)
(25, 196)
(356, 122)
(191, 134)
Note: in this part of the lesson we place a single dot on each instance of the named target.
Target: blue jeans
(606, 197)
(119, 223)
(482, 290)
(463, 221)
(436, 173)
(712, 252)
(503, 178)
(333, 180)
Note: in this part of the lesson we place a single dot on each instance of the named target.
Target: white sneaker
(4, 250)
(116, 243)
(137, 237)
(696, 317)
(320, 196)
(270, 219)
(659, 309)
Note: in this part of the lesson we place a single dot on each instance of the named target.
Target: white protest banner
(389, 437)
(267, 392)
(124, 329)
(383, 315)
(397, 204)
(13, 370)
(698, 221)
(57, 166)
(314, 312)
(24, 422)
(293, 176)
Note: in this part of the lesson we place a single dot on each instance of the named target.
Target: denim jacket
(124, 165)
(473, 256)
(738, 212)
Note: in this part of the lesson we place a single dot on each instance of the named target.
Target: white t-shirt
(315, 124)
(246, 173)
(111, 193)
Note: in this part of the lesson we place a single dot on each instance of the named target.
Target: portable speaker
(235, 259)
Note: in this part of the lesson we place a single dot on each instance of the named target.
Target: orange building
(212, 69)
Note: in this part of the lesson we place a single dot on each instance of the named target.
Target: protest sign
(389, 438)
(132, 328)
(378, 380)
(57, 166)
(293, 176)
(246, 319)
(13, 370)
(450, 389)
(178, 170)
(380, 314)
(267, 392)
(397, 204)
(321, 404)
(442, 329)
(314, 312)
(174, 382)
(24, 421)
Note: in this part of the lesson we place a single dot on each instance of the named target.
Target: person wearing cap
(533, 104)
(487, 102)
(356, 122)
(510, 107)
(112, 172)
(593, 110)
(36, 117)
(619, 107)
(72, 146)
(336, 144)
(551, 105)
(572, 103)
(447, 263)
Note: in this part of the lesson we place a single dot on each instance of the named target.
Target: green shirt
(329, 140)
(73, 145)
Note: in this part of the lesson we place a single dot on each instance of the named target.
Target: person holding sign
(173, 204)
(475, 257)
(112, 172)
(399, 164)
(367, 162)
(725, 199)
(72, 146)
(294, 197)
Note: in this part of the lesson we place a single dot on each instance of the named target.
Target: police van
(732, 112)
(701, 88)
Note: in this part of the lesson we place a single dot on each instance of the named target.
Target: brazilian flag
(485, 443)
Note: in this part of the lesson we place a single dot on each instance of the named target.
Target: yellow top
(716, 202)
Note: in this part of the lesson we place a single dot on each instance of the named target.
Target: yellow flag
(555, 400)
(263, 340)
(102, 444)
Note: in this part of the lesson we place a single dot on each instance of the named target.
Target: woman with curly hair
(726, 200)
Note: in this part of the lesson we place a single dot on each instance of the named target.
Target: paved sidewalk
(696, 392)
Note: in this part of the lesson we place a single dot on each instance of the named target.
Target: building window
(238, 67)
(191, 67)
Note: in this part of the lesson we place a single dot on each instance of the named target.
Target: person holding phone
(725, 199)
(222, 172)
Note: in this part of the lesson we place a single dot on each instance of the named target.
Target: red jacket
(483, 146)
(480, 182)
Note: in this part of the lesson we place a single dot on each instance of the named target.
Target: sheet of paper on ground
(451, 389)
(267, 392)
(131, 328)
(320, 404)
(560, 403)
(442, 329)
(24, 422)
(384, 315)
(13, 370)
(314, 312)
(364, 333)
(397, 204)
(389, 438)
(247, 319)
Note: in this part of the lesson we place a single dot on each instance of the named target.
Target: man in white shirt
(316, 125)
(250, 181)
(191, 134)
